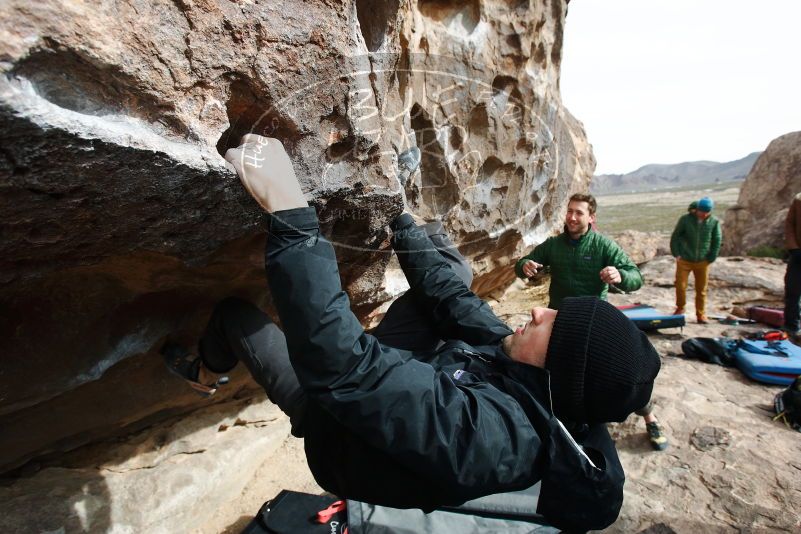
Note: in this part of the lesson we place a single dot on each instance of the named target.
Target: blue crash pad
(772, 362)
(648, 318)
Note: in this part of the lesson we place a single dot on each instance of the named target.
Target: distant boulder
(758, 217)
(642, 247)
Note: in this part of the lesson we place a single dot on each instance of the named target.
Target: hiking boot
(408, 163)
(702, 319)
(678, 311)
(183, 364)
(658, 440)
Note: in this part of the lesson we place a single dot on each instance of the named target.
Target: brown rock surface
(765, 196)
(642, 247)
(121, 224)
(178, 476)
(728, 467)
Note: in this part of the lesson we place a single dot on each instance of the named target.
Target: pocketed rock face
(758, 217)
(122, 225)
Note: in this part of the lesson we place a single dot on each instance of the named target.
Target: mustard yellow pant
(700, 270)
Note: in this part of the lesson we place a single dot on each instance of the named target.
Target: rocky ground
(729, 467)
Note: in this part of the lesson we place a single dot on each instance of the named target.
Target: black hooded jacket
(423, 430)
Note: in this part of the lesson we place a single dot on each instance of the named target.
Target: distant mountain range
(656, 176)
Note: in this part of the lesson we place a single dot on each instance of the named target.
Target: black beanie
(602, 367)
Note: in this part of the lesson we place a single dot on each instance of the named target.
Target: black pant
(239, 331)
(792, 291)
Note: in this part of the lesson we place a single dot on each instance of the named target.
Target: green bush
(766, 251)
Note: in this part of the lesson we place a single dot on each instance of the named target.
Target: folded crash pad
(292, 512)
(648, 318)
(772, 362)
(512, 513)
(769, 316)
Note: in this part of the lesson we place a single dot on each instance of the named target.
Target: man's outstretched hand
(610, 275)
(531, 268)
(266, 172)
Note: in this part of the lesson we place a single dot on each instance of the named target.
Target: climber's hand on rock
(266, 172)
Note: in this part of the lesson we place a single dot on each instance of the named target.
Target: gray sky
(666, 81)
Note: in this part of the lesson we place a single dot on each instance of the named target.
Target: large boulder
(642, 247)
(121, 224)
(758, 217)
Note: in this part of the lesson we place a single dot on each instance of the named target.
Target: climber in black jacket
(478, 412)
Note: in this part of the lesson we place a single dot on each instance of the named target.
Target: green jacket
(695, 240)
(576, 268)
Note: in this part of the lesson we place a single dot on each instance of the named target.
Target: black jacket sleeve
(456, 311)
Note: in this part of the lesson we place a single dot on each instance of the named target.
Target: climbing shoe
(658, 440)
(183, 364)
(678, 311)
(702, 319)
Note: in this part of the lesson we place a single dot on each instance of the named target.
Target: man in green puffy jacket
(582, 261)
(585, 263)
(695, 244)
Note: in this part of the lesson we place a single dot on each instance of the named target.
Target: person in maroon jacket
(792, 278)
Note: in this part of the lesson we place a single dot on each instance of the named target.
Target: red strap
(324, 516)
(775, 335)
